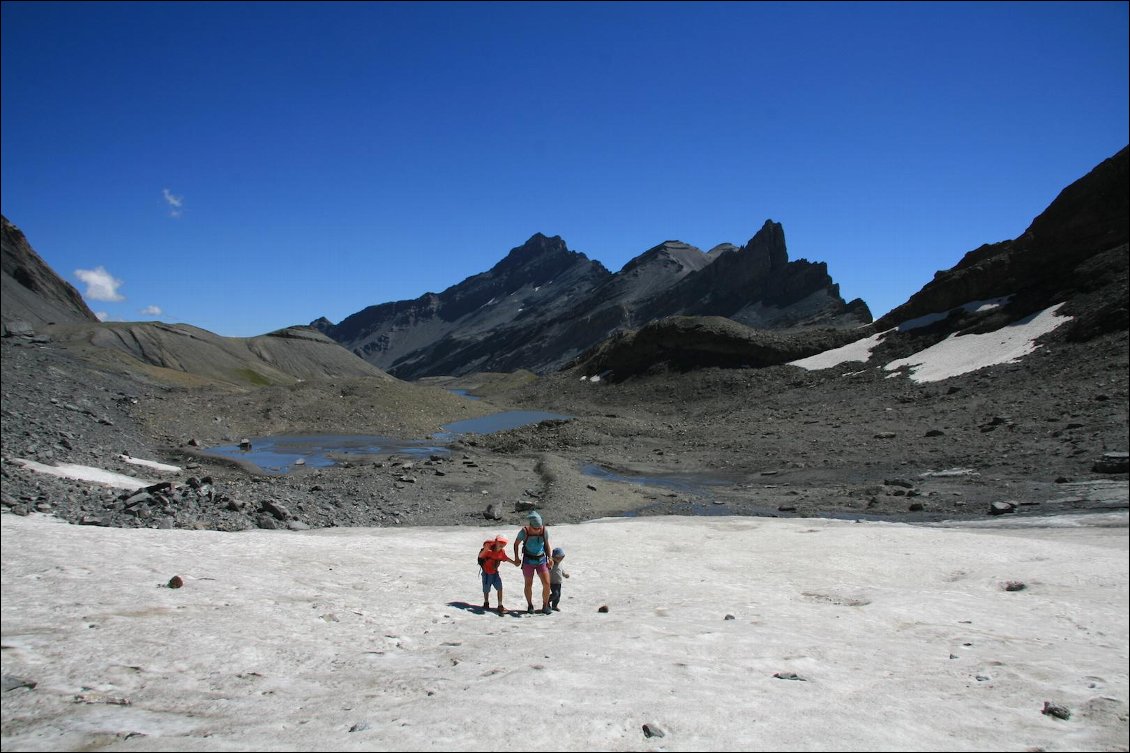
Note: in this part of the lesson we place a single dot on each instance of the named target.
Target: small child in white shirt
(556, 573)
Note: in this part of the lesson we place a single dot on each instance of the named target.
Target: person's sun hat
(535, 518)
(558, 552)
(500, 540)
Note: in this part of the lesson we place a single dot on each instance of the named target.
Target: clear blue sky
(248, 166)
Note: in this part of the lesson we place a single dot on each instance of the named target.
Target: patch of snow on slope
(86, 473)
(960, 354)
(860, 350)
(150, 464)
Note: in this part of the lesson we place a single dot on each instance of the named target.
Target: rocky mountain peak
(768, 244)
(536, 261)
(672, 252)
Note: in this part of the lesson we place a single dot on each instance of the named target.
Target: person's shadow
(476, 608)
(466, 607)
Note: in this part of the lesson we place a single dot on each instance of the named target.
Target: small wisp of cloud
(100, 284)
(151, 311)
(175, 202)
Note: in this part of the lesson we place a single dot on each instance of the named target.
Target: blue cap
(558, 552)
(535, 518)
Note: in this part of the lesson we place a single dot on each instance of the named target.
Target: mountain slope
(1074, 253)
(36, 298)
(544, 305)
(31, 291)
(1076, 247)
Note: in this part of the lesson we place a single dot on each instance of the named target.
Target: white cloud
(100, 284)
(176, 202)
(152, 311)
(102, 315)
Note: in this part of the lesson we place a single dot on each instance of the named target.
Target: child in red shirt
(492, 553)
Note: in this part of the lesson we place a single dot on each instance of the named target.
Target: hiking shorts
(492, 579)
(529, 568)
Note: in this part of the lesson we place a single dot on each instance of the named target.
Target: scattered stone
(276, 509)
(935, 433)
(492, 513)
(359, 727)
(729, 617)
(91, 697)
(1013, 585)
(245, 444)
(903, 482)
(885, 435)
(652, 730)
(789, 676)
(1112, 462)
(176, 581)
(1059, 712)
(602, 609)
(1001, 508)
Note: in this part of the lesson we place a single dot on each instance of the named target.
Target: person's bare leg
(544, 591)
(530, 591)
(501, 609)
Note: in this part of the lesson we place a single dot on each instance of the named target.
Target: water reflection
(463, 393)
(280, 454)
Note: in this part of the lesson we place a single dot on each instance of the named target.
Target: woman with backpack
(534, 540)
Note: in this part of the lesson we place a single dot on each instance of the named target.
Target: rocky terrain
(770, 441)
(687, 415)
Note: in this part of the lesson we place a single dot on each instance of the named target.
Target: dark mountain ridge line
(1074, 253)
(543, 305)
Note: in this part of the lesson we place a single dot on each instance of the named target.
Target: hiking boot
(486, 605)
(502, 609)
(529, 609)
(546, 610)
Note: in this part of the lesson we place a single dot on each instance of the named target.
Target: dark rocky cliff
(543, 305)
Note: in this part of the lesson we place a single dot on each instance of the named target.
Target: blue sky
(248, 166)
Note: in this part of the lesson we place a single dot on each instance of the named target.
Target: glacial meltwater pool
(281, 453)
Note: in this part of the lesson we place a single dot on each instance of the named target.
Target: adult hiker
(534, 540)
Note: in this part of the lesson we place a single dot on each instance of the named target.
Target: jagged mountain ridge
(1075, 253)
(544, 305)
